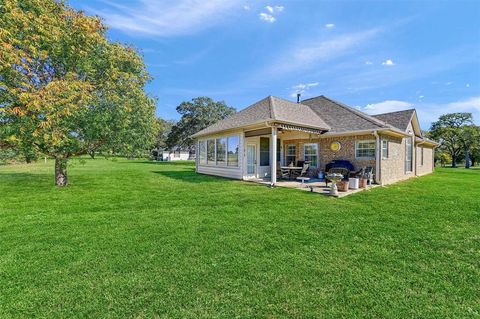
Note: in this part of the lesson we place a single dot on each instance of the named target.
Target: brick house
(317, 130)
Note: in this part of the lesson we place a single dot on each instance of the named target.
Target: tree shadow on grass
(159, 163)
(190, 176)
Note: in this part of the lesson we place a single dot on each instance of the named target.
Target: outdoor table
(291, 169)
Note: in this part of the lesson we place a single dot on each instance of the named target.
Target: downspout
(377, 160)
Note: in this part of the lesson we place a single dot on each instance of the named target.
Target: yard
(144, 239)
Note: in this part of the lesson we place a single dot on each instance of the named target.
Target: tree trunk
(467, 157)
(454, 161)
(61, 178)
(92, 154)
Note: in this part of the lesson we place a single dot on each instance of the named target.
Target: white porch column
(273, 157)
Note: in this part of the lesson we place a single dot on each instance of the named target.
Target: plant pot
(363, 182)
(342, 186)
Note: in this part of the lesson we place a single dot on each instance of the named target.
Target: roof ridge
(359, 113)
(412, 109)
(271, 106)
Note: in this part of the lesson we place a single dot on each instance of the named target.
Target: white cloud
(267, 17)
(302, 88)
(313, 51)
(421, 96)
(387, 106)
(368, 62)
(428, 112)
(388, 62)
(273, 9)
(166, 19)
(245, 7)
(329, 25)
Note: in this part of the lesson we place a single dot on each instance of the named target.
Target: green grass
(143, 239)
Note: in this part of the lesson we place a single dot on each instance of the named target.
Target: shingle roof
(269, 109)
(399, 119)
(343, 118)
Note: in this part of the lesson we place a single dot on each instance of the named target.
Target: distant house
(274, 132)
(171, 155)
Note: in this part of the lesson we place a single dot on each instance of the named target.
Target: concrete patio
(314, 185)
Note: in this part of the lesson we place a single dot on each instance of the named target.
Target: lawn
(144, 239)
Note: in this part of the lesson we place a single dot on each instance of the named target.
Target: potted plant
(342, 185)
(363, 181)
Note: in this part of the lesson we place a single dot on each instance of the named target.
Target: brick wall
(347, 151)
(427, 166)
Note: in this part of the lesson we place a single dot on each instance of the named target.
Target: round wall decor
(335, 146)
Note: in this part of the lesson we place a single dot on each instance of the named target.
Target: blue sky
(378, 56)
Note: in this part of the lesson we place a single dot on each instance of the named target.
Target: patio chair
(282, 173)
(303, 173)
(339, 170)
(368, 171)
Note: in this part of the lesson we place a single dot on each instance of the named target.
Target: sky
(377, 56)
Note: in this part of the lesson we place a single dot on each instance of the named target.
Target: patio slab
(314, 185)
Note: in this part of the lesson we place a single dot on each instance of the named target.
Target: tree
(64, 88)
(196, 115)
(470, 136)
(449, 130)
(164, 127)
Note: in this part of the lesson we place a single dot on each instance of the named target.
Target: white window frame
(316, 152)
(238, 154)
(410, 168)
(357, 148)
(287, 155)
(385, 150)
(214, 162)
(200, 142)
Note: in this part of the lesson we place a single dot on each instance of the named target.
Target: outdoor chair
(282, 173)
(302, 173)
(365, 171)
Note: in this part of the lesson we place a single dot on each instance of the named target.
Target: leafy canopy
(198, 114)
(64, 88)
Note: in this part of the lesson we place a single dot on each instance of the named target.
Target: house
(171, 155)
(273, 131)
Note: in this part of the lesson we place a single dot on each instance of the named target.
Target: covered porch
(270, 149)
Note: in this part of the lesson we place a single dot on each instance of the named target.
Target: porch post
(273, 157)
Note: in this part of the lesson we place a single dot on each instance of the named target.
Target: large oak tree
(452, 130)
(65, 89)
(197, 114)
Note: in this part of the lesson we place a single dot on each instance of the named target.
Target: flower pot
(363, 182)
(342, 186)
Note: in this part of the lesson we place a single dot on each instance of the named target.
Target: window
(421, 155)
(278, 150)
(176, 153)
(202, 152)
(232, 154)
(290, 154)
(365, 149)
(264, 151)
(221, 149)
(311, 154)
(211, 151)
(384, 149)
(408, 154)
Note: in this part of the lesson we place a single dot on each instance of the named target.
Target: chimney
(298, 97)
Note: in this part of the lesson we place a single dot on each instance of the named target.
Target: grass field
(143, 239)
